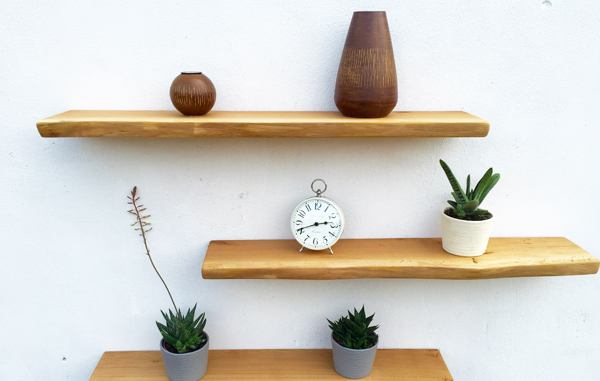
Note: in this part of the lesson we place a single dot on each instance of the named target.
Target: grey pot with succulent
(184, 345)
(354, 344)
(466, 228)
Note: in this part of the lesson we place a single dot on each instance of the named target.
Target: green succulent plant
(183, 332)
(465, 205)
(354, 331)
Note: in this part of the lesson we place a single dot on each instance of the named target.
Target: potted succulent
(354, 344)
(466, 228)
(184, 345)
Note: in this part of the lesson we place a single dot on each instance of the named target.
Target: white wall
(74, 281)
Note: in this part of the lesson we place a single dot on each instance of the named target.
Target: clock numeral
(318, 205)
(326, 208)
(298, 222)
(325, 240)
(315, 241)
(334, 226)
(332, 234)
(308, 208)
(332, 216)
(301, 213)
(307, 237)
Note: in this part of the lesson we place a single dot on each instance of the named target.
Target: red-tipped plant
(142, 227)
(183, 332)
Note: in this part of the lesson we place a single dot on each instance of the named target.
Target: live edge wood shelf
(260, 124)
(276, 364)
(395, 258)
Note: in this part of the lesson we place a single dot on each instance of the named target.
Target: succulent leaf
(489, 187)
(456, 198)
(468, 188)
(453, 204)
(461, 198)
(470, 206)
(482, 184)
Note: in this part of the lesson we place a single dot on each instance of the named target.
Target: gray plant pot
(186, 366)
(353, 363)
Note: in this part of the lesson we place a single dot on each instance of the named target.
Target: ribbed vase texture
(366, 85)
(353, 363)
(465, 238)
(187, 366)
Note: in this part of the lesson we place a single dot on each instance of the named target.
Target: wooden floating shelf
(260, 124)
(395, 258)
(276, 364)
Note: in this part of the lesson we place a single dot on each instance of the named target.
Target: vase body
(193, 93)
(465, 238)
(366, 85)
(186, 366)
(353, 363)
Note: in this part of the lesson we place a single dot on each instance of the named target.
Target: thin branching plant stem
(140, 220)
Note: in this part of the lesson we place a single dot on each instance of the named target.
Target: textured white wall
(74, 281)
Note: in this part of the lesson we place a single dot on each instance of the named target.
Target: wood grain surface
(276, 364)
(395, 258)
(259, 124)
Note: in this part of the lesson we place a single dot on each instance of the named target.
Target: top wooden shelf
(260, 124)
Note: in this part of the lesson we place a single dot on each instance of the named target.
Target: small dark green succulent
(353, 331)
(465, 205)
(183, 332)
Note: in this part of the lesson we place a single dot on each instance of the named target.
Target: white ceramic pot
(353, 363)
(465, 238)
(189, 366)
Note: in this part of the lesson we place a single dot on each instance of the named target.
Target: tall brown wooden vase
(366, 85)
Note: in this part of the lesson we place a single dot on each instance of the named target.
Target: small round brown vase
(366, 85)
(193, 94)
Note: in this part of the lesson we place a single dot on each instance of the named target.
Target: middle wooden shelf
(395, 258)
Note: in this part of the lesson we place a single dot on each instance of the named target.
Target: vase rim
(191, 72)
(369, 12)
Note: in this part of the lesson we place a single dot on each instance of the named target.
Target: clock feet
(331, 251)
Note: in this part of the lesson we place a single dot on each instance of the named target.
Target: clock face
(317, 223)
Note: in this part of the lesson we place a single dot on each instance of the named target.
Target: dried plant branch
(140, 220)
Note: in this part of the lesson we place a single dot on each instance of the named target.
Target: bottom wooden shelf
(277, 364)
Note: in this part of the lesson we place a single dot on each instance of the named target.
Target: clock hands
(315, 224)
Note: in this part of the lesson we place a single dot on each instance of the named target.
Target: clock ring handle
(318, 191)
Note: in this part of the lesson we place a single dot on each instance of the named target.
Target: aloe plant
(183, 332)
(466, 204)
(354, 331)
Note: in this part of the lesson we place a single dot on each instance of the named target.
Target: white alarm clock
(318, 222)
